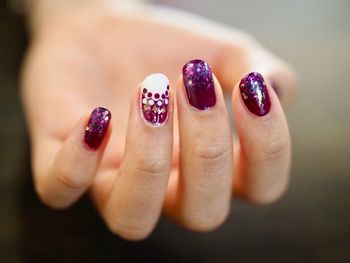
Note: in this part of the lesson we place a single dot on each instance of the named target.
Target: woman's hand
(97, 56)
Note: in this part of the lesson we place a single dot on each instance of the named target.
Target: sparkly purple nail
(154, 99)
(97, 127)
(254, 94)
(199, 84)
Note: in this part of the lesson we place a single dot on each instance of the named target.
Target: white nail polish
(154, 99)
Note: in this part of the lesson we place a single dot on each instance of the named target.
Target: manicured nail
(97, 127)
(154, 99)
(254, 94)
(199, 84)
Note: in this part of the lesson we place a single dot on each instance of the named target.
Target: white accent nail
(156, 83)
(154, 107)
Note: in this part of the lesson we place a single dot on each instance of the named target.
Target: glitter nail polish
(199, 84)
(254, 94)
(97, 127)
(154, 99)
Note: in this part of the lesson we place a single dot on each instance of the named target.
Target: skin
(92, 54)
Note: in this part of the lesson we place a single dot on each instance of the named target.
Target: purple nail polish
(154, 99)
(199, 84)
(254, 94)
(97, 127)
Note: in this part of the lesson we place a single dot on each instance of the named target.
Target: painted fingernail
(199, 84)
(97, 127)
(254, 94)
(154, 99)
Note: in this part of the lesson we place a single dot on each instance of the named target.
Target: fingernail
(97, 127)
(199, 84)
(254, 94)
(154, 99)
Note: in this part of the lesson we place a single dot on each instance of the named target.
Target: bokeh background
(310, 224)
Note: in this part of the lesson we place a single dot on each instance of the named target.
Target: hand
(96, 56)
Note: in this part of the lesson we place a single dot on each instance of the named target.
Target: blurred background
(310, 224)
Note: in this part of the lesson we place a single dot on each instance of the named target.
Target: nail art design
(154, 98)
(199, 84)
(97, 127)
(254, 94)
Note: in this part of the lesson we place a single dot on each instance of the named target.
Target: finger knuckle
(152, 167)
(212, 151)
(276, 146)
(70, 180)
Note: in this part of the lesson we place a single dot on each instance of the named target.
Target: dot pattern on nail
(154, 106)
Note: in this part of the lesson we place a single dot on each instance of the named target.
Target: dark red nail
(155, 99)
(254, 94)
(97, 127)
(199, 84)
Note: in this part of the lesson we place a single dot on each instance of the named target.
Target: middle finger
(201, 199)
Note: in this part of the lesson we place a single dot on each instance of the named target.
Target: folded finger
(61, 181)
